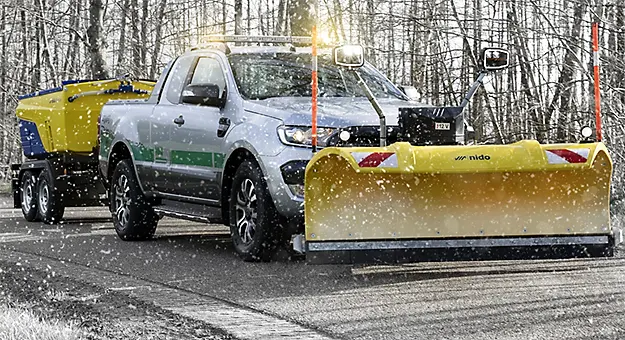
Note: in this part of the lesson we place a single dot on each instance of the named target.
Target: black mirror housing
(203, 94)
(494, 59)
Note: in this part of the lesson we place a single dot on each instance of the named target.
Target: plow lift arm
(431, 199)
(493, 59)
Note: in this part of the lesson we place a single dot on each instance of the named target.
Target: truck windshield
(261, 76)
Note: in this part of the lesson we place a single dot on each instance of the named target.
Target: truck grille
(364, 136)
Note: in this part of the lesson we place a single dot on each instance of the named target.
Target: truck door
(196, 156)
(162, 127)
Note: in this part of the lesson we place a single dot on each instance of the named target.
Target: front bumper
(287, 168)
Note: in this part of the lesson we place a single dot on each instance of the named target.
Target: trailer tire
(250, 197)
(49, 200)
(133, 216)
(28, 196)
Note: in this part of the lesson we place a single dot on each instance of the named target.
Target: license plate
(442, 126)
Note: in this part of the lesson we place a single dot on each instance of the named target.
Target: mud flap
(523, 195)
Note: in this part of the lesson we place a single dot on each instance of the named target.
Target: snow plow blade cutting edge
(421, 203)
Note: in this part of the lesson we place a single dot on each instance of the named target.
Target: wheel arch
(236, 158)
(37, 166)
(119, 152)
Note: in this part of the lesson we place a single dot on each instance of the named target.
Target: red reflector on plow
(560, 156)
(375, 159)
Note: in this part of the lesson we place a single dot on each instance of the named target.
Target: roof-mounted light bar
(265, 39)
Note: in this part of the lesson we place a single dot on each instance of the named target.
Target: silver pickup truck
(225, 138)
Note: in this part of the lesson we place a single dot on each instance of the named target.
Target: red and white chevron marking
(375, 159)
(563, 156)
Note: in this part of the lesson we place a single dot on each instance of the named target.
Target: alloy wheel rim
(246, 211)
(122, 200)
(44, 196)
(27, 194)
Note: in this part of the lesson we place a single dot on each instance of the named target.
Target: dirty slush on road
(98, 313)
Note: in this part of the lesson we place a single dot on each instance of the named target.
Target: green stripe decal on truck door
(192, 158)
(178, 157)
(219, 160)
(141, 152)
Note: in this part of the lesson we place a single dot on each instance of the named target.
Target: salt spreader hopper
(430, 197)
(59, 137)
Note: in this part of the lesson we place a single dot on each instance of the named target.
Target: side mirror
(203, 94)
(494, 59)
(352, 56)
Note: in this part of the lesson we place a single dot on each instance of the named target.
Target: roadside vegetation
(22, 324)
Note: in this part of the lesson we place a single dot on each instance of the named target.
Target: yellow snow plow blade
(403, 197)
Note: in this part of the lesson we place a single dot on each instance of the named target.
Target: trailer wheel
(254, 221)
(133, 216)
(50, 206)
(28, 196)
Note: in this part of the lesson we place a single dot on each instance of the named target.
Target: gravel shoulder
(98, 313)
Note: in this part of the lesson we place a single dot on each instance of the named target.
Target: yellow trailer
(59, 136)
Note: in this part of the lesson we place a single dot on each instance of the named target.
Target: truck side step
(189, 211)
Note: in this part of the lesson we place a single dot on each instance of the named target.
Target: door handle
(179, 120)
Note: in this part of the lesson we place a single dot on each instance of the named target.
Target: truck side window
(208, 71)
(177, 78)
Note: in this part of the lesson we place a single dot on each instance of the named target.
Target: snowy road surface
(191, 269)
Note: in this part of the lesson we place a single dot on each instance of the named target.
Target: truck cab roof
(227, 49)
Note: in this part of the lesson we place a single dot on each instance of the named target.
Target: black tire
(133, 216)
(249, 197)
(28, 196)
(49, 199)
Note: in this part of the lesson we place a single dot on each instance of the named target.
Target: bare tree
(94, 34)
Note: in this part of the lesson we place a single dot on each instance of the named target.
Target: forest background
(546, 94)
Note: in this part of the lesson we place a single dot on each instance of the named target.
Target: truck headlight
(302, 135)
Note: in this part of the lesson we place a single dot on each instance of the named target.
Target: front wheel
(28, 196)
(254, 222)
(133, 216)
(50, 205)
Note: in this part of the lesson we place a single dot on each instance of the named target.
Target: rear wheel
(28, 196)
(50, 205)
(254, 222)
(133, 216)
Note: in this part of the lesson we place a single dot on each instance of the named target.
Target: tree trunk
(157, 38)
(280, 22)
(300, 16)
(249, 17)
(144, 37)
(528, 85)
(36, 78)
(338, 10)
(238, 17)
(134, 40)
(25, 40)
(370, 31)
(121, 64)
(45, 45)
(69, 56)
(224, 16)
(94, 35)
(564, 87)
